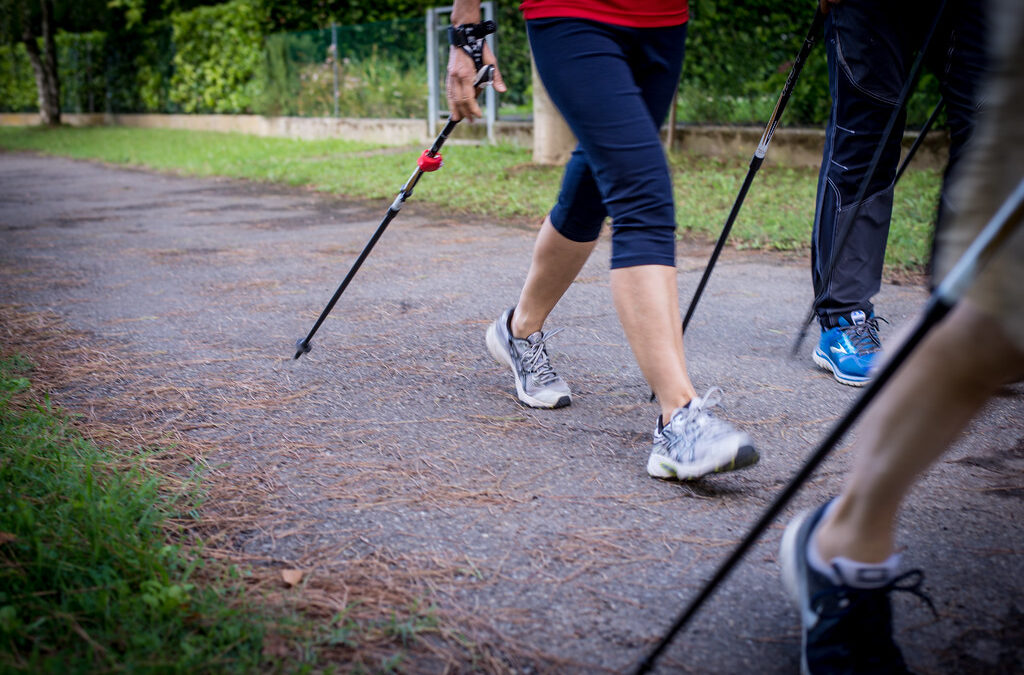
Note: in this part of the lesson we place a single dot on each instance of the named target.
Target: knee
(982, 346)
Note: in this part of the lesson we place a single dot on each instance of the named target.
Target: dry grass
(377, 602)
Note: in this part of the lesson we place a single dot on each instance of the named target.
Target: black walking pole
(758, 158)
(999, 229)
(470, 38)
(920, 138)
(842, 234)
(428, 161)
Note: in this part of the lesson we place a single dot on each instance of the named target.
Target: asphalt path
(399, 436)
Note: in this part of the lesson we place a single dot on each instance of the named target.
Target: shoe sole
(788, 558)
(500, 355)
(849, 380)
(660, 466)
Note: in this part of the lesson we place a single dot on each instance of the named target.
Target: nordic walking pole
(999, 229)
(920, 138)
(470, 38)
(430, 160)
(862, 191)
(758, 158)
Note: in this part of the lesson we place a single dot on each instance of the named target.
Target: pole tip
(302, 347)
(795, 351)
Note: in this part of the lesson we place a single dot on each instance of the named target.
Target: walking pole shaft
(303, 345)
(758, 158)
(841, 234)
(920, 138)
(998, 230)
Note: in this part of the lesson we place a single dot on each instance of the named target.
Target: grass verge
(495, 181)
(99, 572)
(89, 578)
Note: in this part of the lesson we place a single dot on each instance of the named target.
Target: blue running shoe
(850, 350)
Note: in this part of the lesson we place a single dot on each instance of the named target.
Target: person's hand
(826, 5)
(459, 83)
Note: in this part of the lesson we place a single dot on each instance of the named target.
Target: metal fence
(369, 70)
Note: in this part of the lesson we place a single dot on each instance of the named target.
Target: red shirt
(634, 13)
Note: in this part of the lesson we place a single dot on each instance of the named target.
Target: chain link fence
(379, 69)
(369, 70)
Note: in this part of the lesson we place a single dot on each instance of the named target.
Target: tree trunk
(44, 64)
(553, 141)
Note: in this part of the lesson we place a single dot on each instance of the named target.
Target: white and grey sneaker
(537, 384)
(695, 443)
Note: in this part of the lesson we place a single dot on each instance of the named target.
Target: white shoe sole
(498, 352)
(660, 466)
(791, 580)
(822, 361)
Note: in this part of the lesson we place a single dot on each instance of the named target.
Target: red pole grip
(428, 163)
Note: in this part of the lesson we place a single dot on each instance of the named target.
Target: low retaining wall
(789, 147)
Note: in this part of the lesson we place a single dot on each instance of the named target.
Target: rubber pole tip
(302, 347)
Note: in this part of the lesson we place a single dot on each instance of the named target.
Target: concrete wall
(789, 147)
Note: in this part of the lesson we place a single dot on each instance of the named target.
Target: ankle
(842, 534)
(668, 410)
(521, 326)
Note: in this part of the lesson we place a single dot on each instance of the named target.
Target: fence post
(334, 46)
(490, 96)
(433, 106)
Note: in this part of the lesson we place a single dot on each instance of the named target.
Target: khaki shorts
(992, 169)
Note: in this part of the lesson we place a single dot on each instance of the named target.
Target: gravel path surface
(398, 436)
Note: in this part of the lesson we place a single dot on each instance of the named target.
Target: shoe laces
(536, 360)
(836, 602)
(694, 422)
(864, 336)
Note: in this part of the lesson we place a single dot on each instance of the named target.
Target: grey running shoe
(695, 443)
(537, 384)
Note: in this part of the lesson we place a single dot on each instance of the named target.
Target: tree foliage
(218, 56)
(232, 57)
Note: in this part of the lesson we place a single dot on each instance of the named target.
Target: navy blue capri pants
(613, 85)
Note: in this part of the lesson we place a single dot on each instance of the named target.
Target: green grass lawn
(492, 181)
(89, 581)
(97, 573)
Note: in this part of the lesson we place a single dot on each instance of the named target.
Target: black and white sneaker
(537, 384)
(846, 620)
(695, 443)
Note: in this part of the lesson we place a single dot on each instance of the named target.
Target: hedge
(218, 58)
(232, 58)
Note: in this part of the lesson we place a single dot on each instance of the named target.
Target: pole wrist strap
(470, 38)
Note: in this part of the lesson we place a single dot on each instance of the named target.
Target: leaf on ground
(291, 577)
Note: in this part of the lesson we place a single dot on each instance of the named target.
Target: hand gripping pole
(430, 160)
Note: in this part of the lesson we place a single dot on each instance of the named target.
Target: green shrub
(17, 83)
(81, 65)
(218, 57)
(373, 81)
(152, 65)
(739, 53)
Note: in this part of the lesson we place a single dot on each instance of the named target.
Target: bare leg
(647, 302)
(959, 366)
(645, 298)
(556, 262)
